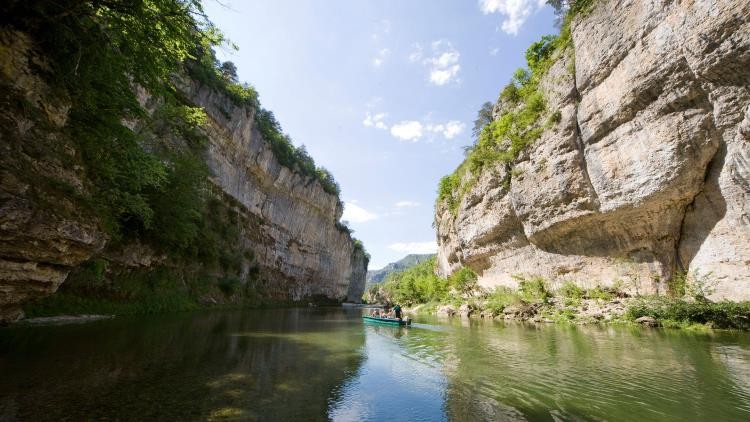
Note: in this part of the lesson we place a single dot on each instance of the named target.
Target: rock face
(297, 237)
(646, 173)
(289, 221)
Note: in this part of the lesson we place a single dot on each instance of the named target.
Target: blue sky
(382, 93)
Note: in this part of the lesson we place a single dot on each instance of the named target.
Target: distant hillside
(377, 276)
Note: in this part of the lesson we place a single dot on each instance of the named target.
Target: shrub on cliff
(520, 123)
(96, 51)
(97, 54)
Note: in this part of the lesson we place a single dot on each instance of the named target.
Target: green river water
(326, 364)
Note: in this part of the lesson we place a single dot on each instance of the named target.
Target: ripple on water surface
(321, 364)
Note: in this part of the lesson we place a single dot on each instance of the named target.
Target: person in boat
(397, 312)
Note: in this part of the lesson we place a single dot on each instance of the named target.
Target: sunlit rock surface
(646, 173)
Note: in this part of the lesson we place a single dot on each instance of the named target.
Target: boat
(389, 321)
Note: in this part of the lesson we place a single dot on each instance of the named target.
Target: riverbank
(535, 299)
(649, 311)
(325, 364)
(63, 304)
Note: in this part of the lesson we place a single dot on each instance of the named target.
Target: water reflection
(393, 383)
(264, 365)
(318, 364)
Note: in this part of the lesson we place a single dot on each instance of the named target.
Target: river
(325, 364)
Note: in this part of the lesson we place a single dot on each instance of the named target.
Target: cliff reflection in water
(532, 372)
(320, 364)
(269, 365)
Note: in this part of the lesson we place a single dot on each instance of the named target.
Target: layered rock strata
(46, 230)
(647, 172)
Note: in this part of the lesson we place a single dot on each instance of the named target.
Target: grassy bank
(534, 299)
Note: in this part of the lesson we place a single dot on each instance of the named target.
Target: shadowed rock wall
(46, 228)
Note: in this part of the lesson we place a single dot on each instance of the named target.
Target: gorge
(169, 252)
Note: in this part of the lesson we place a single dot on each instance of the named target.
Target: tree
(562, 7)
(484, 117)
(229, 71)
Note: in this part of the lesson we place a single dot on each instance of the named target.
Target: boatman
(397, 311)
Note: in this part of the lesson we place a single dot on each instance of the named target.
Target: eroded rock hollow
(647, 172)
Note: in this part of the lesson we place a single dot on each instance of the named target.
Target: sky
(383, 93)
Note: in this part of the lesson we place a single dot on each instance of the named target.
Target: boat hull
(387, 321)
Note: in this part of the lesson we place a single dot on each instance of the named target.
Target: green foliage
(464, 281)
(733, 315)
(484, 117)
(676, 284)
(517, 127)
(93, 272)
(538, 54)
(571, 290)
(501, 298)
(360, 247)
(533, 290)
(554, 119)
(148, 179)
(205, 68)
(448, 190)
(510, 94)
(580, 7)
(96, 51)
(229, 285)
(178, 206)
(418, 284)
(568, 9)
(291, 156)
(694, 285)
(600, 293)
(700, 286)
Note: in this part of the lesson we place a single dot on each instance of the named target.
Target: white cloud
(407, 204)
(417, 54)
(375, 120)
(381, 56)
(414, 247)
(494, 51)
(449, 130)
(414, 130)
(408, 130)
(442, 64)
(356, 214)
(515, 12)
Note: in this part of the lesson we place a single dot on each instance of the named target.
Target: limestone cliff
(647, 171)
(290, 243)
(298, 237)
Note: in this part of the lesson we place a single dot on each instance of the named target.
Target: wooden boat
(389, 321)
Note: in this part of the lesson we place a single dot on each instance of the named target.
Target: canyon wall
(647, 172)
(297, 237)
(292, 242)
